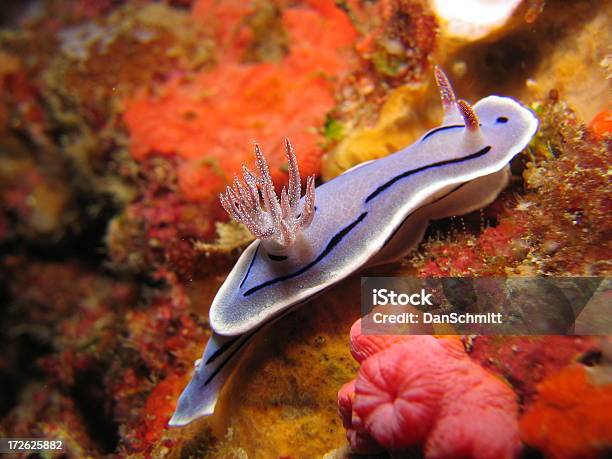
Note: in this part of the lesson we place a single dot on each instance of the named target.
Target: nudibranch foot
(277, 222)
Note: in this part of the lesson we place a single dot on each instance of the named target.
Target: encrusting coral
(64, 76)
(213, 112)
(398, 38)
(81, 334)
(525, 361)
(570, 418)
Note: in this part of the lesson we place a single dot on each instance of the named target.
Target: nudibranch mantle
(372, 214)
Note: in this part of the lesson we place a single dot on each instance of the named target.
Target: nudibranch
(374, 213)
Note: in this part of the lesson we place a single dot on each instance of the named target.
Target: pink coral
(421, 391)
(364, 346)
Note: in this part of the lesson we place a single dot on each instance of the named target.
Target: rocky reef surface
(120, 122)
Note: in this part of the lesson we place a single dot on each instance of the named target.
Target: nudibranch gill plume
(374, 213)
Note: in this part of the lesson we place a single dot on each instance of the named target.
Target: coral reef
(120, 122)
(38, 205)
(102, 62)
(159, 228)
(64, 79)
(109, 362)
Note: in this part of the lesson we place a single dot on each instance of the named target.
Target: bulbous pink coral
(478, 417)
(423, 391)
(363, 346)
(399, 407)
(358, 437)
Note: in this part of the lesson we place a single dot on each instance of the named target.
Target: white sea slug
(374, 213)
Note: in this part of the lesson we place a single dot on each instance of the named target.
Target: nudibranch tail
(277, 221)
(200, 396)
